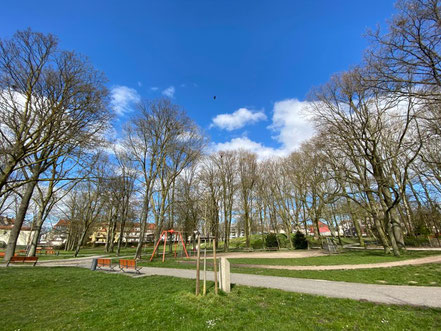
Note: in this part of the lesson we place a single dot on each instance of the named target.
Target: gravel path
(423, 260)
(272, 255)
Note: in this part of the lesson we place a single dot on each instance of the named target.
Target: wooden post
(165, 246)
(215, 267)
(198, 265)
(204, 289)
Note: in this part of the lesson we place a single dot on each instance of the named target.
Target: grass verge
(347, 257)
(70, 298)
(421, 275)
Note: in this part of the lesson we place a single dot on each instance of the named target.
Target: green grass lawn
(347, 257)
(422, 275)
(71, 298)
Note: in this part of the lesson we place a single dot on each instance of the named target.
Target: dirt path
(423, 260)
(271, 255)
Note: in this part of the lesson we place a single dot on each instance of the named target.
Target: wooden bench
(129, 264)
(104, 263)
(23, 259)
(2, 254)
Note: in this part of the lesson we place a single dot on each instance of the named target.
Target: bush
(256, 242)
(283, 240)
(416, 241)
(271, 240)
(300, 241)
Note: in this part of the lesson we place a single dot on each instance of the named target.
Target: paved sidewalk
(390, 294)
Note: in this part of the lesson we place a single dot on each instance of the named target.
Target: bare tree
(162, 141)
(52, 102)
(247, 166)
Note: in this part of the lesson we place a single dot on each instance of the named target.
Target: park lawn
(347, 257)
(421, 275)
(73, 298)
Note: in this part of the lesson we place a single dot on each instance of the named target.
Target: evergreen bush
(300, 241)
(271, 240)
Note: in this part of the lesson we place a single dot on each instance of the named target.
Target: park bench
(330, 246)
(2, 254)
(129, 264)
(104, 263)
(23, 259)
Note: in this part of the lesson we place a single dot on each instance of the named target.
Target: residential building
(6, 225)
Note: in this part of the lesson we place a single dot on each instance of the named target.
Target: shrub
(416, 241)
(283, 240)
(271, 240)
(300, 241)
(256, 242)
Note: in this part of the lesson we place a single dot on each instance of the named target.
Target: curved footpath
(389, 294)
(423, 260)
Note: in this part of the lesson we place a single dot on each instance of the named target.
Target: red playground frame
(165, 235)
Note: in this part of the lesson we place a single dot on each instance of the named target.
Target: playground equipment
(164, 234)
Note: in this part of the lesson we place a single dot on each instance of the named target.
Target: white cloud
(139, 84)
(169, 92)
(247, 144)
(154, 88)
(292, 122)
(238, 119)
(123, 98)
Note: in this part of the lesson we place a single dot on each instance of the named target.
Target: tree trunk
(36, 229)
(23, 208)
(80, 242)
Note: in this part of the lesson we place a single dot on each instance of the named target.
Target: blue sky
(260, 58)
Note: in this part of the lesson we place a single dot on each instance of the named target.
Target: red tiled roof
(150, 226)
(7, 223)
(9, 227)
(62, 223)
(322, 227)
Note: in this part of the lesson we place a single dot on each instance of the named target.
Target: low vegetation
(68, 298)
(422, 275)
(347, 257)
